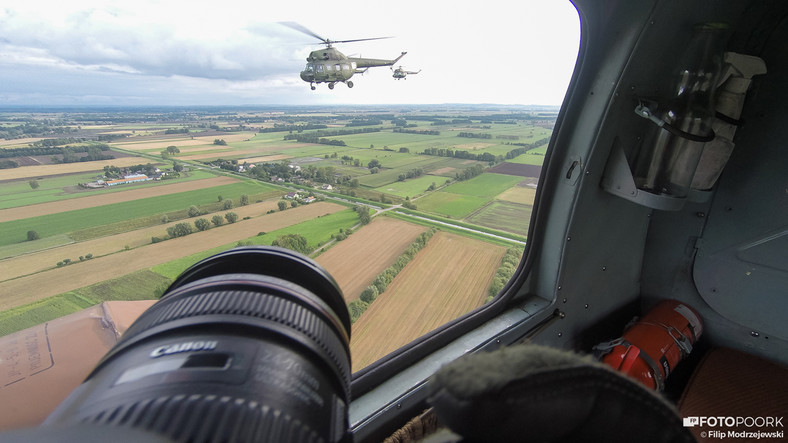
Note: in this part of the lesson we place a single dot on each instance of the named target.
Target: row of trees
(183, 229)
(50, 149)
(484, 135)
(381, 282)
(509, 264)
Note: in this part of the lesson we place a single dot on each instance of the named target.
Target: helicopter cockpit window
(310, 67)
(320, 68)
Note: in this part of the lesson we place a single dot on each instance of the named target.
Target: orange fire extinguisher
(652, 347)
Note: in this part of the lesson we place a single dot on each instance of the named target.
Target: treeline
(525, 147)
(33, 129)
(474, 135)
(418, 131)
(509, 264)
(413, 173)
(346, 132)
(49, 150)
(288, 128)
(314, 138)
(364, 122)
(381, 282)
(177, 131)
(469, 172)
(458, 153)
(93, 154)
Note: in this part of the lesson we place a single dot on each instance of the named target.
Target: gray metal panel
(741, 269)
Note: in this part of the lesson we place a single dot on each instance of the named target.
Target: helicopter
(400, 73)
(330, 66)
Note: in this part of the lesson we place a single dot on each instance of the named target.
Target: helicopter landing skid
(312, 85)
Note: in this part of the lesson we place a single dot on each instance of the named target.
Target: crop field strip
(29, 172)
(446, 279)
(28, 289)
(91, 201)
(356, 261)
(45, 259)
(65, 222)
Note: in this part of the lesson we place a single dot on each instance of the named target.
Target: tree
(217, 220)
(33, 184)
(172, 150)
(32, 235)
(244, 200)
(295, 242)
(228, 204)
(179, 230)
(363, 214)
(194, 211)
(370, 294)
(231, 217)
(220, 142)
(177, 167)
(202, 224)
(374, 163)
(293, 204)
(282, 205)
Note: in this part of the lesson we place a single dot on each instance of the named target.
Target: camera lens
(248, 345)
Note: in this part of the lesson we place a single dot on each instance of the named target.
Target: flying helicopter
(400, 73)
(330, 66)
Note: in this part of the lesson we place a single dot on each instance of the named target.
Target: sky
(189, 53)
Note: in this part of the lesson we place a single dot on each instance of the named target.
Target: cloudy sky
(165, 52)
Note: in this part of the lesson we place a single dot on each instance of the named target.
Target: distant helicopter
(400, 73)
(331, 66)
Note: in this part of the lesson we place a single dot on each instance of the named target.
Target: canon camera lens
(248, 345)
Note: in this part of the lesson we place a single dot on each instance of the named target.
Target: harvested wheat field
(446, 279)
(267, 158)
(354, 263)
(92, 201)
(35, 287)
(42, 260)
(224, 153)
(68, 168)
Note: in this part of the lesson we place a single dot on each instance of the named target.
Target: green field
(316, 231)
(504, 216)
(486, 185)
(411, 187)
(19, 193)
(46, 225)
(451, 205)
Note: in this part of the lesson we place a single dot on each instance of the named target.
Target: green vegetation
(136, 286)
(65, 222)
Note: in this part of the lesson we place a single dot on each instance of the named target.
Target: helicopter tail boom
(373, 62)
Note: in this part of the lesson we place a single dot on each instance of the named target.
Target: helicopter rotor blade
(359, 40)
(300, 28)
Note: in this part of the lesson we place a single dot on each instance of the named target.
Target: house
(309, 200)
(327, 187)
(291, 195)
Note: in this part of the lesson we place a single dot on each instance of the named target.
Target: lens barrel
(248, 345)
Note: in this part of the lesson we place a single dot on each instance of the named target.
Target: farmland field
(91, 201)
(16, 292)
(480, 204)
(446, 279)
(355, 262)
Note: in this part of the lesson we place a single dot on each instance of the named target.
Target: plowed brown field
(446, 279)
(108, 198)
(354, 263)
(35, 287)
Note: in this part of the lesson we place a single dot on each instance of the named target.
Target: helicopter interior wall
(594, 248)
(728, 257)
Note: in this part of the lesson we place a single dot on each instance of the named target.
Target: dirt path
(91, 201)
(35, 287)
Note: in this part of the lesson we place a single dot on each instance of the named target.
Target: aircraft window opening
(353, 65)
(329, 67)
(345, 67)
(320, 68)
(310, 67)
(337, 67)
